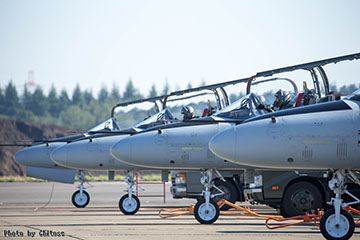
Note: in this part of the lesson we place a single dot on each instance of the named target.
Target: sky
(101, 43)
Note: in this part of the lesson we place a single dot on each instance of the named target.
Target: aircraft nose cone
(59, 155)
(22, 157)
(223, 144)
(122, 150)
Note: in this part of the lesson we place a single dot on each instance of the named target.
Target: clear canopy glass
(245, 107)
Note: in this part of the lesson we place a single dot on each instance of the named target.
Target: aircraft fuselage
(321, 136)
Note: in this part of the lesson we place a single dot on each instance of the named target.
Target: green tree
(76, 118)
(115, 93)
(153, 92)
(64, 100)
(11, 101)
(333, 88)
(166, 89)
(2, 101)
(189, 85)
(39, 102)
(26, 98)
(88, 97)
(130, 92)
(103, 95)
(234, 97)
(346, 90)
(77, 97)
(53, 103)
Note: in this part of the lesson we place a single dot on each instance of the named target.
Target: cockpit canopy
(355, 96)
(161, 117)
(245, 107)
(108, 125)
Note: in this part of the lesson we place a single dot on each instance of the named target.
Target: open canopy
(245, 107)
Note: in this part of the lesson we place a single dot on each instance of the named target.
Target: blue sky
(101, 43)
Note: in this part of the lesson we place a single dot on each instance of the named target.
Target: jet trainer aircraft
(185, 145)
(323, 136)
(91, 152)
(39, 164)
(93, 148)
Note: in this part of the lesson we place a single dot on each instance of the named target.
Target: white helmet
(188, 112)
(282, 99)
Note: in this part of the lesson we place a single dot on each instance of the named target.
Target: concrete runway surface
(23, 216)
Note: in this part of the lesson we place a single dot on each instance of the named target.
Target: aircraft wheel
(300, 198)
(80, 201)
(127, 206)
(206, 214)
(330, 230)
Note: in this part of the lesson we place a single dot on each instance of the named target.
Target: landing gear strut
(336, 222)
(81, 198)
(206, 210)
(129, 204)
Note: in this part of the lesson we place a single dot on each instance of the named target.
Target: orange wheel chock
(350, 209)
(188, 210)
(247, 211)
(308, 218)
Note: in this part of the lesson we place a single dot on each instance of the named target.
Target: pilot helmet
(188, 112)
(282, 98)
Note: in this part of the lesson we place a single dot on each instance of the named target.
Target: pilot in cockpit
(283, 100)
(264, 106)
(188, 112)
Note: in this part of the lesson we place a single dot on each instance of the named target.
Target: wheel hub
(337, 230)
(303, 201)
(129, 205)
(80, 199)
(207, 212)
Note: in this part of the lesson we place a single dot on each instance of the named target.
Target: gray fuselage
(321, 136)
(173, 148)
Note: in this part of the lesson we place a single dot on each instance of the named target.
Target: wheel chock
(247, 211)
(351, 209)
(307, 218)
(185, 211)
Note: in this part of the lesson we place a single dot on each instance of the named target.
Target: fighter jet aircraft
(323, 136)
(185, 145)
(39, 164)
(93, 152)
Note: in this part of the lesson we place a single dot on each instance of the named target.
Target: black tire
(129, 208)
(206, 216)
(78, 201)
(230, 192)
(345, 229)
(300, 198)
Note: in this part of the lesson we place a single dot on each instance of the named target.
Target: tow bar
(304, 219)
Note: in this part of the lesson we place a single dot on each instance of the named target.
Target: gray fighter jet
(39, 164)
(323, 136)
(185, 145)
(93, 152)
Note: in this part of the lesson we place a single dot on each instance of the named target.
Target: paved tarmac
(23, 215)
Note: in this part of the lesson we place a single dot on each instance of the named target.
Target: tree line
(82, 110)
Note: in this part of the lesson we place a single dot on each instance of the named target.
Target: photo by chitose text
(28, 233)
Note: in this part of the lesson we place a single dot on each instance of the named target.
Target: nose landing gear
(336, 222)
(129, 204)
(206, 210)
(81, 198)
